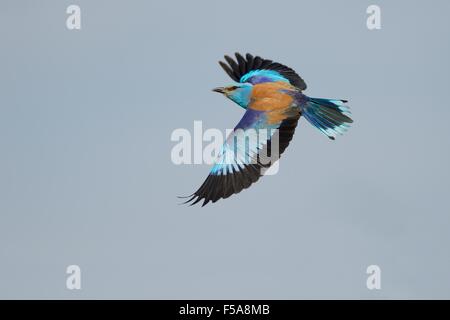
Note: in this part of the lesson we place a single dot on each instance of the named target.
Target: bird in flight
(273, 99)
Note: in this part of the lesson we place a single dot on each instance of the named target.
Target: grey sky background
(86, 176)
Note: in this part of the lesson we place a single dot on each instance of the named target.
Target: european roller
(272, 96)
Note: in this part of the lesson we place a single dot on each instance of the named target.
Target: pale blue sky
(86, 177)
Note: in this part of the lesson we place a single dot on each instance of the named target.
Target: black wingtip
(184, 197)
(236, 69)
(187, 201)
(229, 70)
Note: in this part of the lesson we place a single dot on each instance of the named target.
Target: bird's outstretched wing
(249, 149)
(257, 70)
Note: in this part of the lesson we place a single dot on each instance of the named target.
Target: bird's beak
(219, 89)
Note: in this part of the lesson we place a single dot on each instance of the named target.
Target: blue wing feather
(260, 76)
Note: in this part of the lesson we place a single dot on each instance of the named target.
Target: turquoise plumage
(271, 94)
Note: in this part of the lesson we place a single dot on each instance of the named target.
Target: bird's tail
(330, 116)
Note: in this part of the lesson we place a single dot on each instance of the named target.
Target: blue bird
(272, 95)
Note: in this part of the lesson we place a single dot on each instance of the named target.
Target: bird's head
(239, 93)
